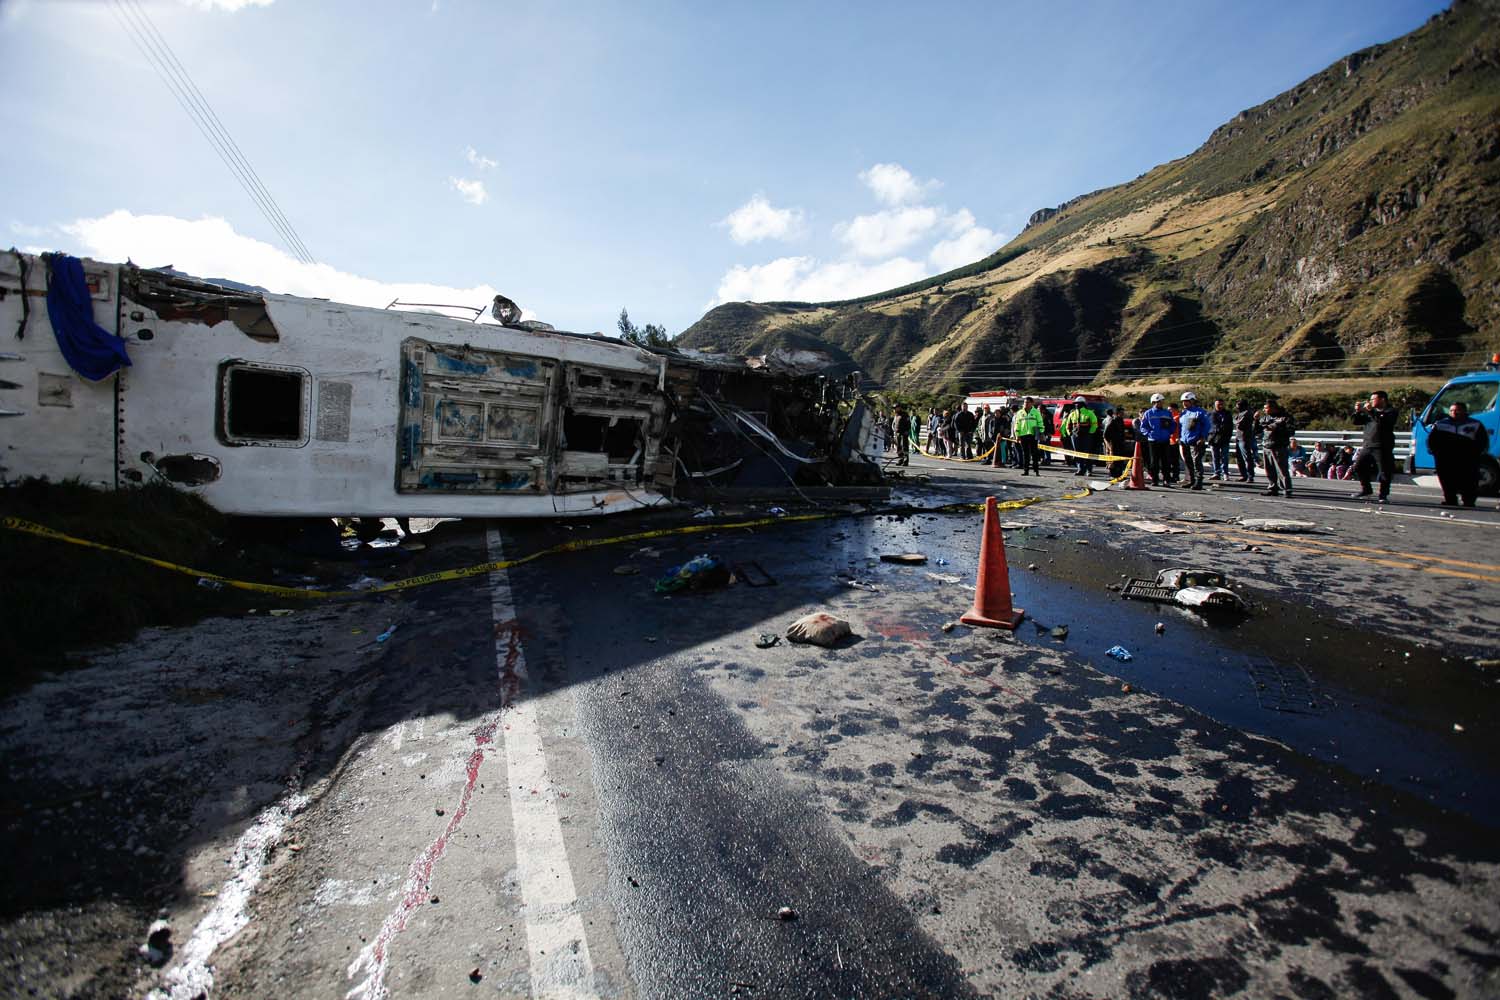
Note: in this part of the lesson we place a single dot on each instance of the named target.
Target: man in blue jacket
(1196, 426)
(1157, 425)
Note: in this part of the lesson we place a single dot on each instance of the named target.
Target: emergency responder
(1196, 426)
(1377, 451)
(1156, 426)
(1081, 428)
(1276, 430)
(1456, 442)
(1028, 426)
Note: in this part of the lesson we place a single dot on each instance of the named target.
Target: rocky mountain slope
(1347, 225)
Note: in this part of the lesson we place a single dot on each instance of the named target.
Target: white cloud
(804, 279)
(893, 184)
(967, 242)
(27, 231)
(757, 220)
(472, 191)
(478, 159)
(876, 253)
(228, 6)
(888, 232)
(210, 248)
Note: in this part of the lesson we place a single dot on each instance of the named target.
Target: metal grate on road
(1148, 590)
(1283, 687)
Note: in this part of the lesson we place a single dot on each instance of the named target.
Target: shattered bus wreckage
(275, 405)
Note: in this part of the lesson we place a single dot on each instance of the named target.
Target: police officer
(1028, 427)
(1456, 442)
(1081, 427)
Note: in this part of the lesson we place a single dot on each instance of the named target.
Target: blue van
(1479, 390)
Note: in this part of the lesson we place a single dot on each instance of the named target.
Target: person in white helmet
(1081, 429)
(1157, 425)
(1196, 425)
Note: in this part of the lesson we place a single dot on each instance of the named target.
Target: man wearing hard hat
(1157, 425)
(1196, 425)
(1081, 428)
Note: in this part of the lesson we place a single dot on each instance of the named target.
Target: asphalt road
(552, 781)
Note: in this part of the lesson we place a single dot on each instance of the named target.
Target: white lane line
(193, 976)
(555, 937)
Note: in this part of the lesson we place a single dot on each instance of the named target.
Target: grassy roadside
(56, 596)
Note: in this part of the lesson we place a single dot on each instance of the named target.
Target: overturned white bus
(275, 405)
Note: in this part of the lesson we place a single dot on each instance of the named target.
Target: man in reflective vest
(1081, 428)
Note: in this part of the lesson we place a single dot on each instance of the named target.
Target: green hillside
(1348, 226)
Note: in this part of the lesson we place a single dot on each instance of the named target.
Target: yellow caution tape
(479, 569)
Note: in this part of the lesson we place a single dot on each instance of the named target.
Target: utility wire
(161, 59)
(219, 127)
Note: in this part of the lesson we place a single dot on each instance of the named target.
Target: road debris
(1200, 589)
(1161, 628)
(1154, 527)
(903, 558)
(1061, 632)
(1279, 525)
(767, 640)
(382, 637)
(703, 572)
(1119, 653)
(819, 629)
(158, 946)
(786, 913)
(944, 577)
(475, 975)
(280, 612)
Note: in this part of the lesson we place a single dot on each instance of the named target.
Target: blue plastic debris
(699, 573)
(1119, 653)
(382, 637)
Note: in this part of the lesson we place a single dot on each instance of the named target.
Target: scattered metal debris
(1154, 527)
(1279, 525)
(1119, 653)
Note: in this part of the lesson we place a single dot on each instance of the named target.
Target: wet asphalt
(715, 811)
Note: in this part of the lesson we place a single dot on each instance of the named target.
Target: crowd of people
(1176, 438)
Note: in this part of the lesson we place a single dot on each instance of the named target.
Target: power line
(150, 43)
(219, 127)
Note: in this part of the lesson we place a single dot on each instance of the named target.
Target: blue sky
(581, 157)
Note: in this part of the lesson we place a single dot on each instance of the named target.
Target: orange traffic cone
(1137, 469)
(992, 597)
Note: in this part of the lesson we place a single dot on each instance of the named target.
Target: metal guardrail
(1352, 438)
(1308, 439)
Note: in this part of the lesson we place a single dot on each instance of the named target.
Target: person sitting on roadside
(1297, 457)
(1343, 464)
(1321, 461)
